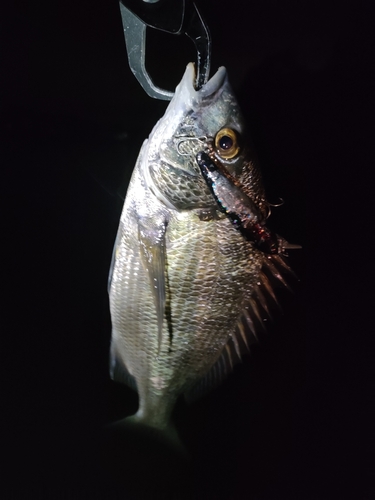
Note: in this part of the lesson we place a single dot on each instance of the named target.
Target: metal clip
(173, 16)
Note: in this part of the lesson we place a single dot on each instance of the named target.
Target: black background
(295, 419)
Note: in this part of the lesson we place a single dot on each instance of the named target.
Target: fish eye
(226, 143)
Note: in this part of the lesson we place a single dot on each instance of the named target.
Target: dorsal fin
(257, 310)
(250, 324)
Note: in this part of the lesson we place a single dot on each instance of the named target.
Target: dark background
(295, 419)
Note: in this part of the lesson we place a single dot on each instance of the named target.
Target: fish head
(194, 120)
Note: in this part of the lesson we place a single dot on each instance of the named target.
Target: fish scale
(184, 279)
(199, 292)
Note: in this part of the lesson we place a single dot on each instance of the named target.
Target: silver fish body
(185, 285)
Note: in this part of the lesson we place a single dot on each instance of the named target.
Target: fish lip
(209, 88)
(187, 98)
(214, 83)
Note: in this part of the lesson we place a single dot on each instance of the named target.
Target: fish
(194, 265)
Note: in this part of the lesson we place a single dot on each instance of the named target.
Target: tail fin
(145, 462)
(135, 430)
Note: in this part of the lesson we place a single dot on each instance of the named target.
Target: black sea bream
(190, 277)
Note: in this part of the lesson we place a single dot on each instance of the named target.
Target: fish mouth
(188, 83)
(187, 98)
(214, 83)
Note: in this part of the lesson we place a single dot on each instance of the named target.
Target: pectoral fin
(152, 242)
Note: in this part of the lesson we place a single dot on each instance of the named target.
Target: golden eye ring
(226, 143)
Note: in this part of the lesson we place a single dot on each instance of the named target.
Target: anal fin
(118, 370)
(229, 357)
